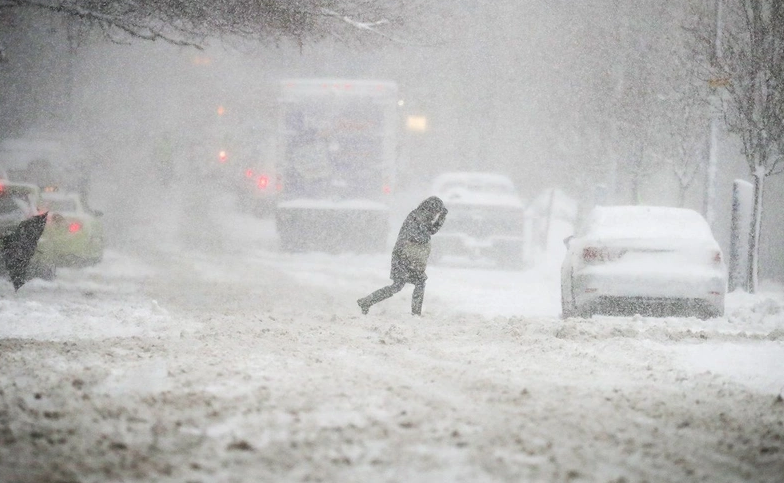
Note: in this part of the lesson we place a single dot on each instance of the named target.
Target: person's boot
(363, 305)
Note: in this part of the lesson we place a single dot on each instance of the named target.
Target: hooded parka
(412, 248)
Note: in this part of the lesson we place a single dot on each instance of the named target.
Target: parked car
(486, 218)
(646, 260)
(73, 233)
(19, 201)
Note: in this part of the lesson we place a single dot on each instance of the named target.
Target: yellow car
(73, 235)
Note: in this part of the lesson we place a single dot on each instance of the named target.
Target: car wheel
(706, 314)
(586, 313)
(566, 311)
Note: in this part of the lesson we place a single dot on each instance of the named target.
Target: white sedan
(647, 260)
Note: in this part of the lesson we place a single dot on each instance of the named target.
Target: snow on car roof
(473, 177)
(476, 188)
(647, 222)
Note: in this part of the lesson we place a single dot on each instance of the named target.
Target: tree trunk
(682, 196)
(754, 233)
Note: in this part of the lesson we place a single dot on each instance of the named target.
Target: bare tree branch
(189, 23)
(753, 61)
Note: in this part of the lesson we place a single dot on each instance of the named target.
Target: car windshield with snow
(643, 260)
(486, 218)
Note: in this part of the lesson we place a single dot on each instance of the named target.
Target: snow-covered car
(18, 202)
(73, 234)
(486, 218)
(646, 260)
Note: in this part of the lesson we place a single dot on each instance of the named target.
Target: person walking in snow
(409, 257)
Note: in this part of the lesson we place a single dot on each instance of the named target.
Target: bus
(335, 170)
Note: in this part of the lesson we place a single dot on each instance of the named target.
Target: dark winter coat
(409, 257)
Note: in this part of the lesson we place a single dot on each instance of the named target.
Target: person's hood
(429, 208)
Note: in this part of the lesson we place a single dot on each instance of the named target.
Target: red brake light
(74, 227)
(601, 254)
(592, 254)
(222, 156)
(387, 190)
(248, 173)
(262, 182)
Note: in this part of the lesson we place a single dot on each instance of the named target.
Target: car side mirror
(568, 240)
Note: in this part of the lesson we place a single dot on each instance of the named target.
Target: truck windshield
(334, 149)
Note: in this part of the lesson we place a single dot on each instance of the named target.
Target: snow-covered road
(237, 363)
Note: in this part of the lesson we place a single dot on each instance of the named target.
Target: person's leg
(417, 298)
(379, 295)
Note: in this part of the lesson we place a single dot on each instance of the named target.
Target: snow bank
(760, 366)
(97, 303)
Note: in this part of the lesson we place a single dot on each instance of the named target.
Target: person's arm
(414, 230)
(438, 222)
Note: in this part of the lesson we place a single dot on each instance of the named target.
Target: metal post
(709, 201)
(711, 167)
(742, 210)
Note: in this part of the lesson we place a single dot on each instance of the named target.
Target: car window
(14, 203)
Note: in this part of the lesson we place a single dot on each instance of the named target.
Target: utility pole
(709, 200)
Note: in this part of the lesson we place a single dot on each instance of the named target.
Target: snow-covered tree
(190, 23)
(750, 67)
(687, 158)
(687, 109)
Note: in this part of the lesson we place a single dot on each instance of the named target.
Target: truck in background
(335, 170)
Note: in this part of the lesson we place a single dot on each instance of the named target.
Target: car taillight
(248, 173)
(74, 227)
(592, 254)
(262, 182)
(386, 189)
(222, 157)
(601, 254)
